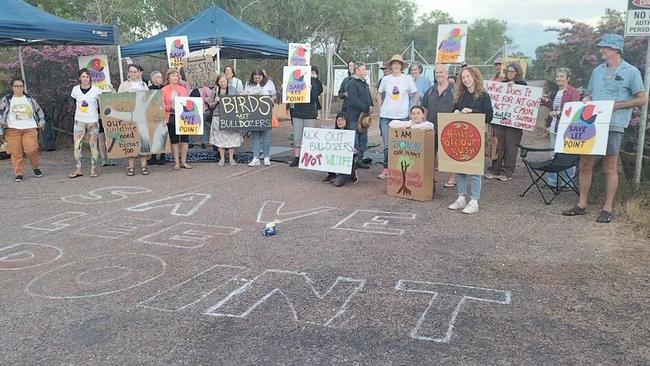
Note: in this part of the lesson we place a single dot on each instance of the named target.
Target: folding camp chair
(557, 164)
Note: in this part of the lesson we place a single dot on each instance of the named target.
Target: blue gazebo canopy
(215, 27)
(22, 24)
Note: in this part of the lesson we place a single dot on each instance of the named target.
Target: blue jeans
(552, 177)
(385, 129)
(262, 138)
(360, 141)
(475, 185)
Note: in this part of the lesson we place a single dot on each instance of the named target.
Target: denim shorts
(614, 142)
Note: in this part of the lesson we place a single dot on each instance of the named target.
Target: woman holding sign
(170, 91)
(470, 97)
(223, 139)
(86, 117)
(306, 114)
(135, 84)
(259, 84)
(507, 137)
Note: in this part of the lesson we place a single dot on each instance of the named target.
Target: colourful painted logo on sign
(97, 75)
(190, 114)
(450, 47)
(296, 82)
(580, 135)
(298, 58)
(461, 141)
(177, 50)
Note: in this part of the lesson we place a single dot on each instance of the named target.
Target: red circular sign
(461, 141)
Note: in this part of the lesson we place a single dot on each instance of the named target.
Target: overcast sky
(526, 19)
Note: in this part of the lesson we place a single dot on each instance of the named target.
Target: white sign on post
(514, 105)
(637, 22)
(327, 150)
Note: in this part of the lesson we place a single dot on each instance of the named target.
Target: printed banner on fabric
(451, 44)
(189, 115)
(134, 123)
(299, 54)
(461, 143)
(177, 48)
(584, 128)
(100, 74)
(327, 150)
(245, 112)
(296, 84)
(514, 105)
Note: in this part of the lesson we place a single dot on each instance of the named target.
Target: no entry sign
(638, 18)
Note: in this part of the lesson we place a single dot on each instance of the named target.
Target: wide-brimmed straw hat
(397, 58)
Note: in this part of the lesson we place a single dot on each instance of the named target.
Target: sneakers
(504, 178)
(267, 161)
(294, 163)
(383, 174)
(254, 162)
(461, 202)
(330, 178)
(19, 178)
(489, 175)
(471, 208)
(38, 173)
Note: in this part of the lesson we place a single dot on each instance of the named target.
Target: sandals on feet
(575, 211)
(130, 172)
(93, 173)
(185, 166)
(604, 217)
(449, 184)
(144, 170)
(76, 174)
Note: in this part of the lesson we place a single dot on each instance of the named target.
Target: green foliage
(486, 36)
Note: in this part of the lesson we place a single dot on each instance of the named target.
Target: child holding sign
(339, 180)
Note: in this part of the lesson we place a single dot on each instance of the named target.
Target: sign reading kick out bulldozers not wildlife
(410, 164)
(134, 124)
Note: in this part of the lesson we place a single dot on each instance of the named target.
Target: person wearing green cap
(621, 82)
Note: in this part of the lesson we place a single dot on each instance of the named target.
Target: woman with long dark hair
(86, 121)
(259, 84)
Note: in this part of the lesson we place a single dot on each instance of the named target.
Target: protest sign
(327, 150)
(299, 54)
(514, 105)
(177, 48)
(134, 123)
(451, 44)
(100, 74)
(296, 84)
(189, 115)
(461, 146)
(410, 163)
(245, 112)
(339, 76)
(522, 62)
(200, 69)
(584, 128)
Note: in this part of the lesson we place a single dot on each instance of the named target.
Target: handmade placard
(134, 123)
(296, 85)
(200, 68)
(177, 48)
(100, 74)
(584, 128)
(514, 105)
(451, 44)
(299, 54)
(461, 145)
(410, 163)
(245, 112)
(188, 112)
(327, 150)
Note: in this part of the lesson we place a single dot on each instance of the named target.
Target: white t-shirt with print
(21, 114)
(396, 91)
(87, 104)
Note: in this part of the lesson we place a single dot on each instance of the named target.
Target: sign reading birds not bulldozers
(410, 164)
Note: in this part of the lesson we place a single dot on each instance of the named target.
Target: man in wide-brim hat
(621, 82)
(395, 90)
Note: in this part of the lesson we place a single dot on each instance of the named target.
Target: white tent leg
(22, 66)
(119, 62)
(219, 59)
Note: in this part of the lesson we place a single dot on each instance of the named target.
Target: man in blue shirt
(621, 82)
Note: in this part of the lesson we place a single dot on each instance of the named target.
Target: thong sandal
(75, 175)
(575, 211)
(144, 170)
(185, 165)
(604, 217)
(130, 172)
(93, 174)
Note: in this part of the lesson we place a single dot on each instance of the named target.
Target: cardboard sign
(296, 85)
(134, 124)
(299, 54)
(584, 128)
(200, 69)
(177, 48)
(522, 62)
(451, 44)
(245, 112)
(339, 76)
(461, 145)
(514, 105)
(410, 164)
(189, 115)
(100, 74)
(327, 150)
